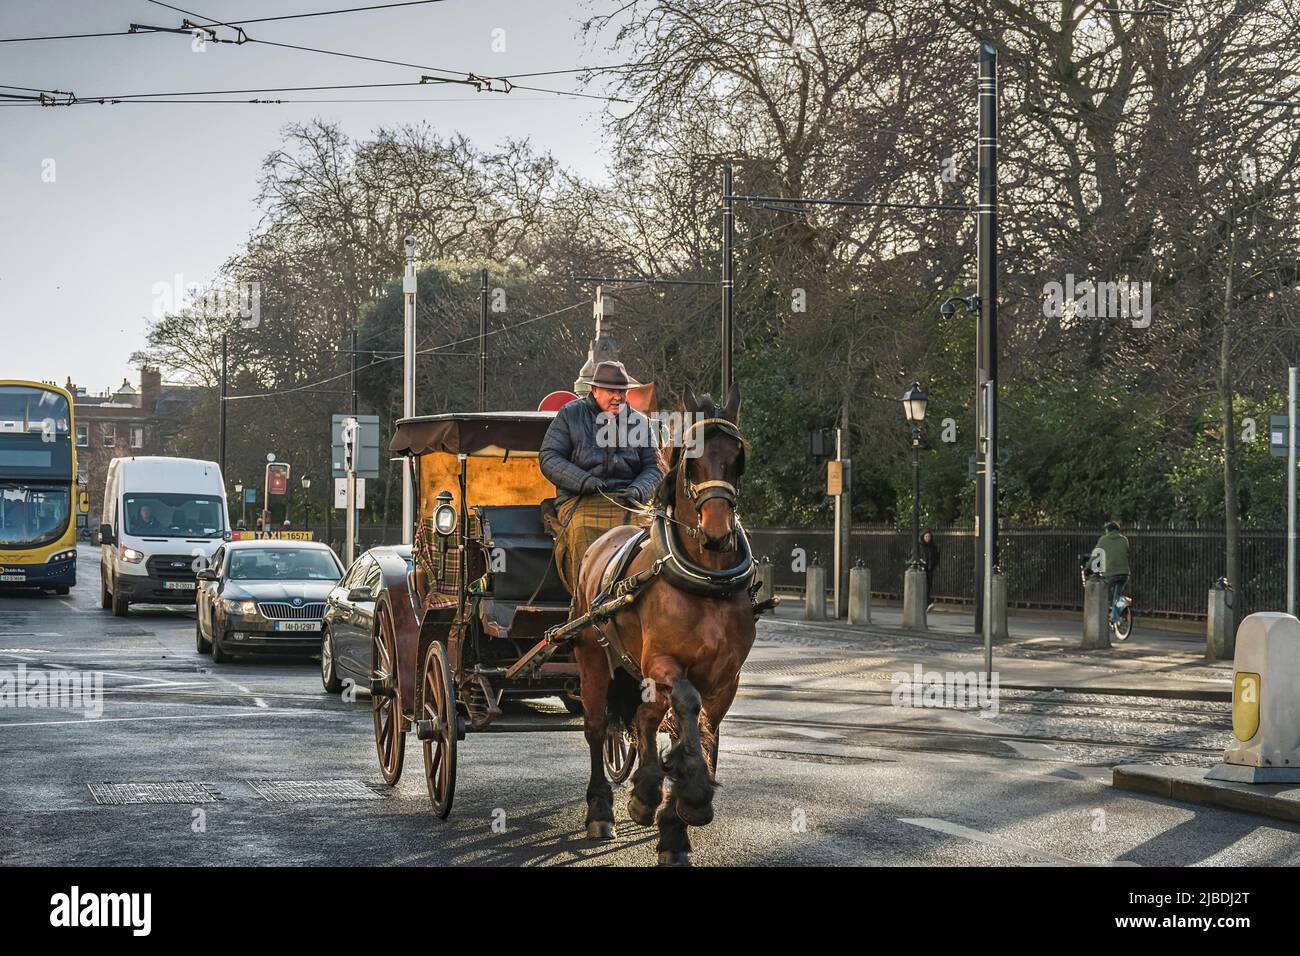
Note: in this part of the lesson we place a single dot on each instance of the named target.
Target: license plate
(297, 625)
(13, 577)
(179, 585)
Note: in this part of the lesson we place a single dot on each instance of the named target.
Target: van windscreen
(173, 515)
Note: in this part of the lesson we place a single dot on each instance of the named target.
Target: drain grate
(292, 791)
(175, 791)
(805, 757)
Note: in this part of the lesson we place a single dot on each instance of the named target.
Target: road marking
(988, 839)
(117, 720)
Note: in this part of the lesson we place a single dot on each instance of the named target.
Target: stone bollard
(814, 594)
(859, 594)
(914, 599)
(1220, 637)
(763, 574)
(1096, 614)
(1000, 607)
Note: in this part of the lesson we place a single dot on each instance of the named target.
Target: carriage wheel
(438, 709)
(386, 702)
(619, 752)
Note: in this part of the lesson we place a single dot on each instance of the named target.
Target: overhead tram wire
(424, 351)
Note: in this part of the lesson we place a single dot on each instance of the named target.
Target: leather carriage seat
(515, 535)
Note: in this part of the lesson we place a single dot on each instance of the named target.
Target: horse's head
(709, 464)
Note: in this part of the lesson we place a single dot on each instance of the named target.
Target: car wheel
(219, 655)
(62, 589)
(105, 599)
(329, 678)
(201, 644)
(120, 605)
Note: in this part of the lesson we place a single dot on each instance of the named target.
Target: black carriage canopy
(489, 434)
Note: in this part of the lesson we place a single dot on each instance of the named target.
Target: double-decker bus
(39, 497)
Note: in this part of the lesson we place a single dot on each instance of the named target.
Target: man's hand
(591, 484)
(633, 495)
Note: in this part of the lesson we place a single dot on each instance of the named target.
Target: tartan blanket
(582, 520)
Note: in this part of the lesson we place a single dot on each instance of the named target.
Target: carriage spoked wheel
(386, 702)
(438, 728)
(619, 752)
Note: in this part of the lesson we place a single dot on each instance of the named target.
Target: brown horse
(689, 644)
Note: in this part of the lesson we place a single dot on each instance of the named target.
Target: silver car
(264, 596)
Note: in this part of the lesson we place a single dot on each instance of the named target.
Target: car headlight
(131, 555)
(241, 607)
(64, 556)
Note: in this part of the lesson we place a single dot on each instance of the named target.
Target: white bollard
(1096, 614)
(859, 594)
(1265, 703)
(814, 595)
(914, 600)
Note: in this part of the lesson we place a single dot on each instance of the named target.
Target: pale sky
(142, 193)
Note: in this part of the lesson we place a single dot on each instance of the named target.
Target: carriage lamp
(444, 514)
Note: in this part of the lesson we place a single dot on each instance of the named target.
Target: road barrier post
(1096, 614)
(914, 599)
(859, 593)
(814, 596)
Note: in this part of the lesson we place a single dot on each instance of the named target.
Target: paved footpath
(1160, 659)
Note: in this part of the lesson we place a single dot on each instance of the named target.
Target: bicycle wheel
(1124, 626)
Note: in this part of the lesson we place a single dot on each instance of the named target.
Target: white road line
(117, 720)
(988, 839)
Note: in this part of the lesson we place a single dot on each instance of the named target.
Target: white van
(163, 519)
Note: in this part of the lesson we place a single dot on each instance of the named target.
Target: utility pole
(986, 335)
(482, 340)
(408, 383)
(1293, 374)
(351, 444)
(352, 376)
(728, 276)
(225, 357)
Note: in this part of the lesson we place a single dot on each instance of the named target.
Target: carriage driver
(591, 463)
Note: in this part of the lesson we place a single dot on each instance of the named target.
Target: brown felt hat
(610, 375)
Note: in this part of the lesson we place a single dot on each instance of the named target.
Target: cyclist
(1114, 562)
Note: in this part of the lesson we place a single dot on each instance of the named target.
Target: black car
(346, 649)
(264, 596)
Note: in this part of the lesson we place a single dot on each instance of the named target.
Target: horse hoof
(641, 813)
(696, 815)
(674, 858)
(600, 830)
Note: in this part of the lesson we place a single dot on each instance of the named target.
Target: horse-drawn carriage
(479, 592)
(478, 613)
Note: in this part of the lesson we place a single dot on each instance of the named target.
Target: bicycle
(1120, 618)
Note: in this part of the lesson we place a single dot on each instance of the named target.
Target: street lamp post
(243, 508)
(914, 402)
(306, 503)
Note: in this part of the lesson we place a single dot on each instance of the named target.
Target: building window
(137, 436)
(83, 436)
(108, 435)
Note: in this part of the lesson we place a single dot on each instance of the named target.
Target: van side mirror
(207, 574)
(106, 535)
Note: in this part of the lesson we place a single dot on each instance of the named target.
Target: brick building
(126, 421)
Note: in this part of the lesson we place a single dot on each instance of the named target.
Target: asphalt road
(818, 767)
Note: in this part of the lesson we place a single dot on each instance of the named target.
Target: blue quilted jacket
(575, 463)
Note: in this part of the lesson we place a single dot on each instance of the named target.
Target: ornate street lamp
(914, 402)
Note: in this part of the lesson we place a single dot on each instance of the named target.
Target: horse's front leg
(648, 779)
(595, 688)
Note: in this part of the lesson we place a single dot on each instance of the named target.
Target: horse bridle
(703, 491)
